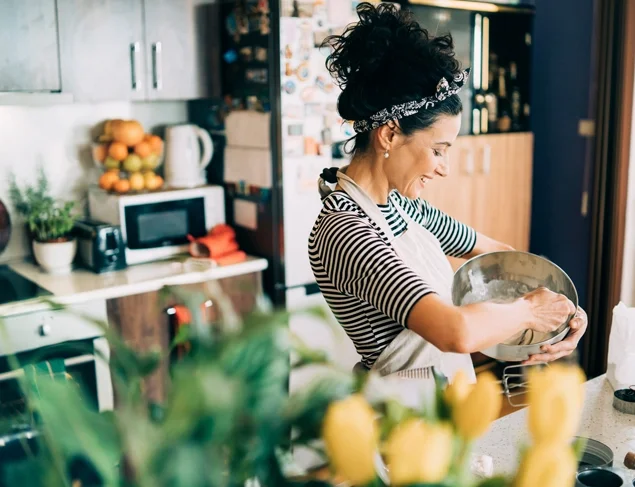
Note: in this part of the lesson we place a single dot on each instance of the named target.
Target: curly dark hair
(385, 59)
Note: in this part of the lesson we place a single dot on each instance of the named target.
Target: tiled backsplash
(58, 137)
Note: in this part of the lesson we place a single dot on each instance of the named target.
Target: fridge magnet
(230, 24)
(261, 54)
(293, 111)
(324, 84)
(302, 72)
(288, 53)
(313, 109)
(230, 56)
(308, 94)
(288, 70)
(289, 87)
(295, 129)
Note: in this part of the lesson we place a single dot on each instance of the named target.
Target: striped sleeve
(359, 263)
(456, 238)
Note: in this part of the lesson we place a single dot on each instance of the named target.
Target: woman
(378, 251)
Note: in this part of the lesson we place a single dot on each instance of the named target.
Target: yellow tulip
(556, 400)
(351, 436)
(458, 390)
(417, 452)
(473, 415)
(547, 465)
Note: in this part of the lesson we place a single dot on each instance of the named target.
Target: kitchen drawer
(29, 331)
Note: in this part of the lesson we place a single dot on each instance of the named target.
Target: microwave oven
(156, 225)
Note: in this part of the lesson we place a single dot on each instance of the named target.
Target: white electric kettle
(184, 164)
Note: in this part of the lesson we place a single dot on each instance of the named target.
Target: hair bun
(386, 58)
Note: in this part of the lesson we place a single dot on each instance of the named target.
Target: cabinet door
(503, 187)
(29, 59)
(172, 62)
(101, 48)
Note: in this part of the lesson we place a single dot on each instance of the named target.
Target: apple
(150, 162)
(111, 163)
(132, 163)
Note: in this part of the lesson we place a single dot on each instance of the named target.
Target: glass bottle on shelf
(516, 105)
(491, 99)
(504, 109)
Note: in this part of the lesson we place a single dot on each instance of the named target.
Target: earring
(386, 154)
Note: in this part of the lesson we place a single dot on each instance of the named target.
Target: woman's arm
(485, 245)
(474, 327)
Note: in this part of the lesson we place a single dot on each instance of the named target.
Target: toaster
(100, 246)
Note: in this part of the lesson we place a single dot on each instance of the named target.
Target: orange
(137, 181)
(128, 132)
(118, 151)
(122, 186)
(143, 149)
(108, 179)
(156, 144)
(100, 152)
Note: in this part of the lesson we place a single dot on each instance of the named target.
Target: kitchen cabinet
(489, 186)
(29, 60)
(142, 320)
(101, 49)
(171, 55)
(129, 50)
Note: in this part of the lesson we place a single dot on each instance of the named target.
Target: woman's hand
(548, 310)
(561, 349)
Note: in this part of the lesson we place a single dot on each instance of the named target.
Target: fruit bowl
(128, 158)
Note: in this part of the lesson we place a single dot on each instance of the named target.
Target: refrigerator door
(301, 206)
(315, 333)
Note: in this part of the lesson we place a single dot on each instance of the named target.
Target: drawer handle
(44, 330)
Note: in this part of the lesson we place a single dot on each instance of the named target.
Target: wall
(58, 137)
(561, 85)
(628, 270)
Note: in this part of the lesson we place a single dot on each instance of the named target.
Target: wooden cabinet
(489, 186)
(29, 60)
(129, 50)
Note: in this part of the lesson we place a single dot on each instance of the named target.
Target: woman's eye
(437, 153)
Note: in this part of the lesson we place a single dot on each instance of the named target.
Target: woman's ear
(385, 138)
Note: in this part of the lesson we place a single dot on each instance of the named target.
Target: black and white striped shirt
(369, 289)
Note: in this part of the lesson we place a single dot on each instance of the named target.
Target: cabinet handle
(469, 163)
(157, 66)
(134, 54)
(487, 159)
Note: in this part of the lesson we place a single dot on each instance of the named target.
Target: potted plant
(49, 224)
(227, 418)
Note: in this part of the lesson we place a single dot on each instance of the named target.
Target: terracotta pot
(55, 257)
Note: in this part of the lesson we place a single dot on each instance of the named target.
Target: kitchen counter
(599, 421)
(83, 285)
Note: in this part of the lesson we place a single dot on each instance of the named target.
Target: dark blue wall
(560, 92)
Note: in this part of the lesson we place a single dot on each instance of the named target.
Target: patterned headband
(396, 112)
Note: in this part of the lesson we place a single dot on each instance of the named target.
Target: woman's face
(420, 157)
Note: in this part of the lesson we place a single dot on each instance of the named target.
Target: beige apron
(421, 251)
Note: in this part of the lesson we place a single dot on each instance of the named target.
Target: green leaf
(495, 482)
(71, 429)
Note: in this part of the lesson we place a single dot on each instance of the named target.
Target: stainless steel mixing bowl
(512, 268)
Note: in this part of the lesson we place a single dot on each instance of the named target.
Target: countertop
(600, 421)
(83, 285)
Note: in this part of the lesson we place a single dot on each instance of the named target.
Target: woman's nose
(443, 169)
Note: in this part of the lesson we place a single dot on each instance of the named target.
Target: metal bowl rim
(476, 257)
